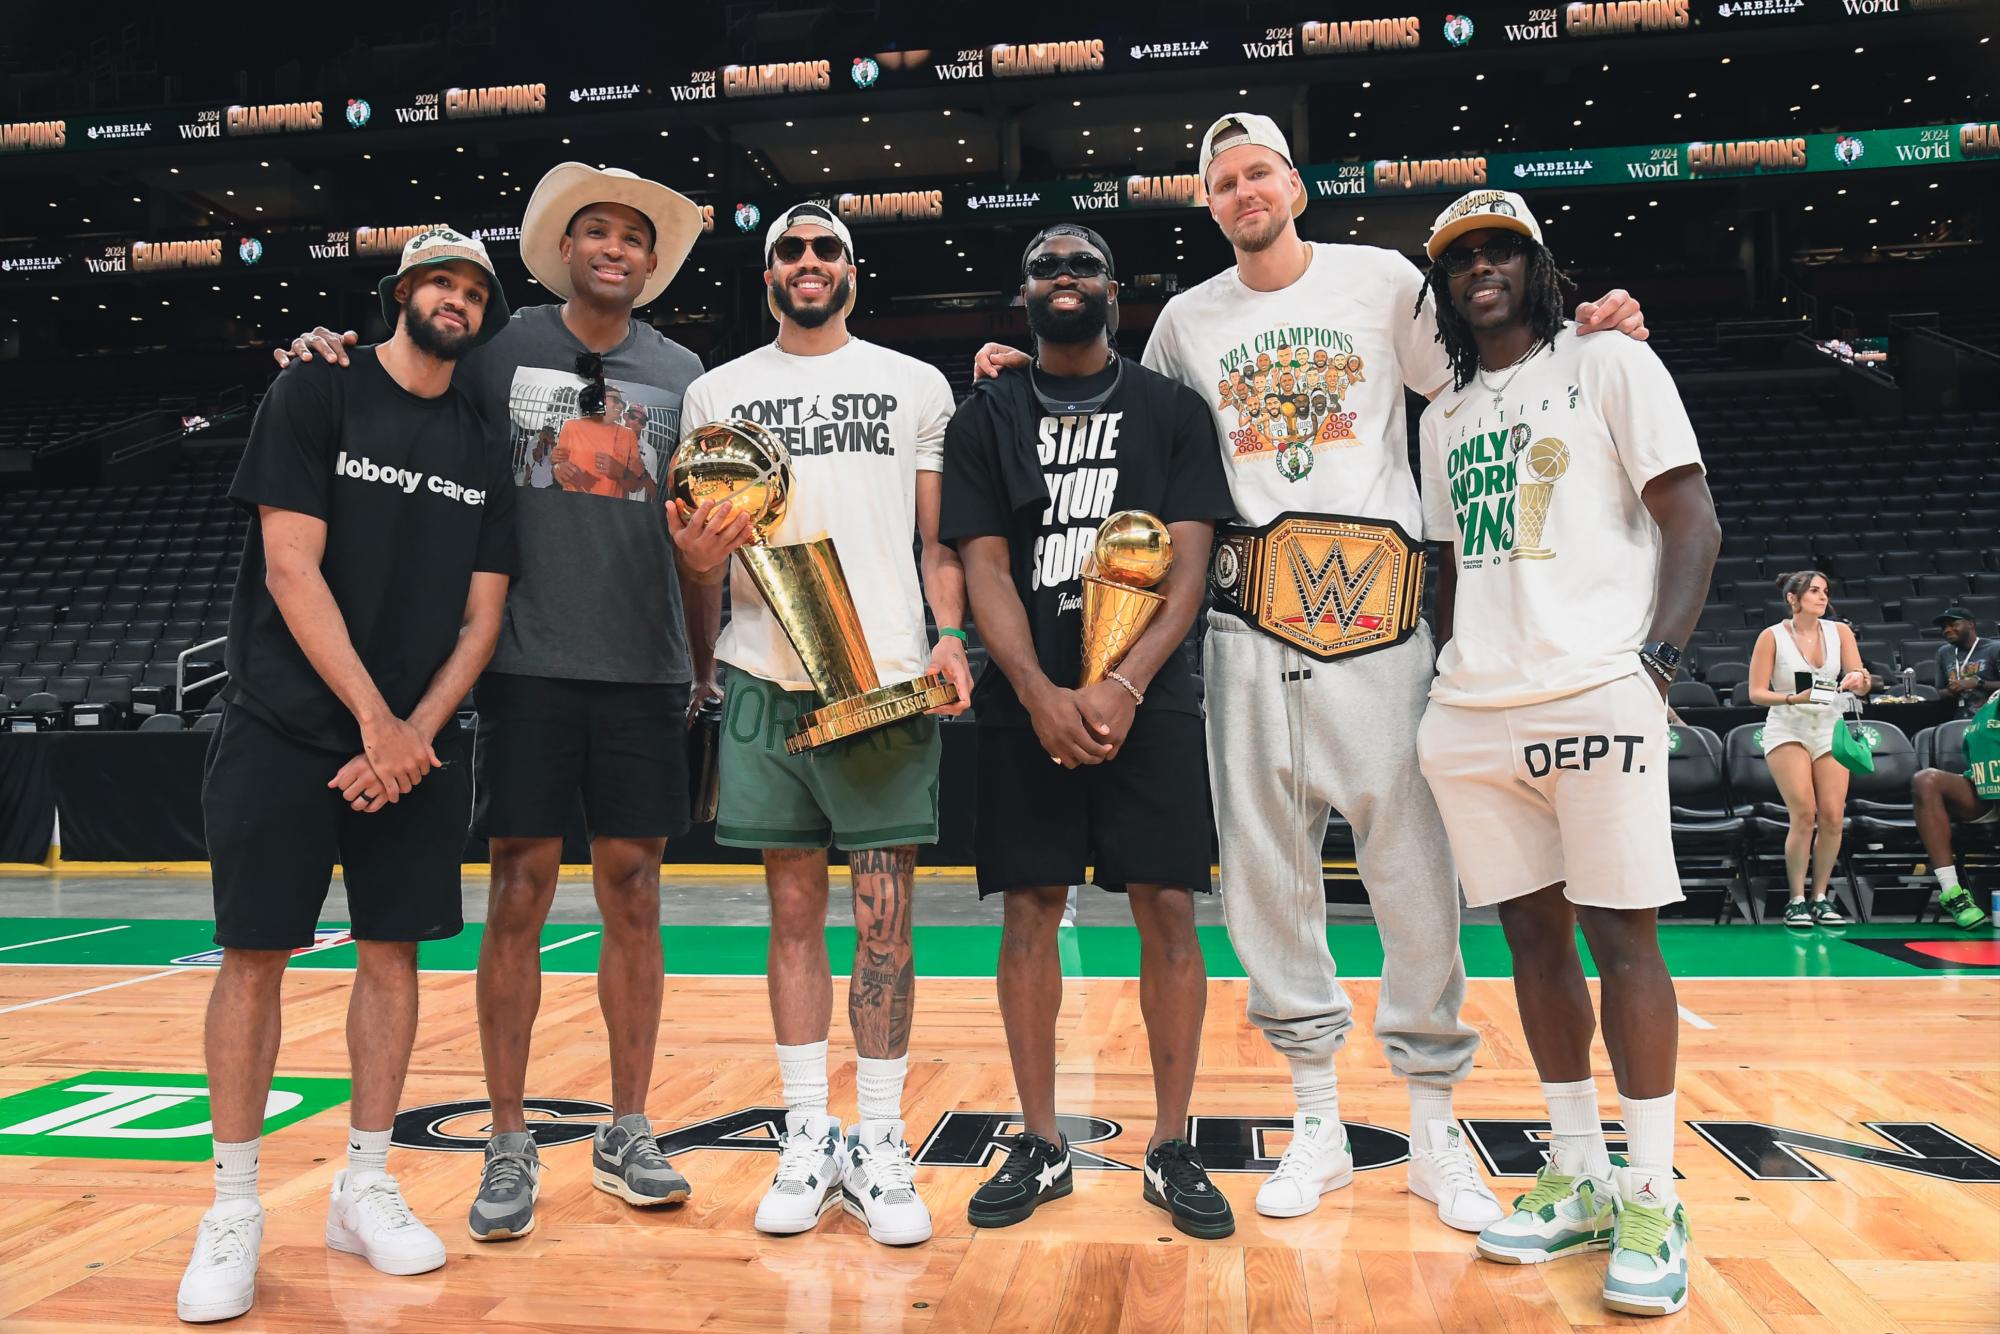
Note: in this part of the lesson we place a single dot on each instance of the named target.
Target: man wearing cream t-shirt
(865, 429)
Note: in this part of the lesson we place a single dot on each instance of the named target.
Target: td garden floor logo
(141, 1114)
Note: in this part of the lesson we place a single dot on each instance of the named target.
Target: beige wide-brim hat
(571, 186)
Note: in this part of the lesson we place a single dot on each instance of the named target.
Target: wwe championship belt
(1327, 584)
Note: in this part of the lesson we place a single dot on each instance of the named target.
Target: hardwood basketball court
(1839, 1101)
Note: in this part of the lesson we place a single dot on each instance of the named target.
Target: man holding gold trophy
(815, 459)
(1083, 494)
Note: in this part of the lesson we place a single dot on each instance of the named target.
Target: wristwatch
(1662, 659)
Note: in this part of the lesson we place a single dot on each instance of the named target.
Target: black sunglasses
(1077, 264)
(590, 402)
(791, 249)
(1505, 246)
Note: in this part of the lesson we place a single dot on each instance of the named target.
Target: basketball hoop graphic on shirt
(1546, 461)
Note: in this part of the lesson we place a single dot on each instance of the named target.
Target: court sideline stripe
(108, 986)
(77, 935)
(571, 941)
(1693, 1018)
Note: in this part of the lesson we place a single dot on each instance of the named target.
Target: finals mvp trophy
(744, 464)
(1133, 552)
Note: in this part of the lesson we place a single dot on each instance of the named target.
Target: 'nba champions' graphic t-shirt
(598, 598)
(1535, 492)
(1306, 383)
(1150, 446)
(414, 499)
(860, 422)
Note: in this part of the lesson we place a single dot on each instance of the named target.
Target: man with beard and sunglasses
(1316, 671)
(1035, 461)
(605, 652)
(381, 543)
(865, 429)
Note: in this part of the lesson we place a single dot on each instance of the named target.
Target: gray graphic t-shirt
(597, 597)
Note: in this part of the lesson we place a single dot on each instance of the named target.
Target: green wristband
(954, 632)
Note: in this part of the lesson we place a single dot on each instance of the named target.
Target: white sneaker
(1317, 1160)
(221, 1278)
(809, 1174)
(1443, 1173)
(366, 1216)
(878, 1185)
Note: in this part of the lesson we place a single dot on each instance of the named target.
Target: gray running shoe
(508, 1185)
(625, 1160)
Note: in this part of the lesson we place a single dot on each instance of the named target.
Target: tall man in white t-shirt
(1563, 479)
(1316, 671)
(865, 428)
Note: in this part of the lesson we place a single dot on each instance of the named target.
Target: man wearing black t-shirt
(1033, 462)
(368, 601)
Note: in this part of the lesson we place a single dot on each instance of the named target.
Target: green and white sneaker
(1963, 907)
(1648, 1274)
(1562, 1215)
(1798, 913)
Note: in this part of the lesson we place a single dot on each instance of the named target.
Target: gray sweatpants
(1288, 737)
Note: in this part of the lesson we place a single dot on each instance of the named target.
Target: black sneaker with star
(1177, 1182)
(1035, 1170)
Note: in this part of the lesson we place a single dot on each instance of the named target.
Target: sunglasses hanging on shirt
(590, 401)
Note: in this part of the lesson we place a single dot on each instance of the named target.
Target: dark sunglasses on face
(1077, 264)
(791, 249)
(590, 402)
(1460, 259)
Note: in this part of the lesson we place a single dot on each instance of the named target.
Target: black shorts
(1140, 819)
(275, 830)
(546, 743)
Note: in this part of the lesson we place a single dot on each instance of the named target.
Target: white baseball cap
(819, 215)
(1258, 131)
(1500, 210)
(570, 187)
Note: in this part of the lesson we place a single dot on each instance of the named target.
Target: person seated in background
(1968, 665)
(1972, 797)
(1798, 735)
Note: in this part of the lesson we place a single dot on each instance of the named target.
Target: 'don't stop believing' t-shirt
(414, 498)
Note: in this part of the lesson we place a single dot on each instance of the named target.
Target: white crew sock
(1947, 878)
(236, 1170)
(1578, 1143)
(803, 1072)
(878, 1087)
(1649, 1141)
(1316, 1087)
(1428, 1103)
(367, 1151)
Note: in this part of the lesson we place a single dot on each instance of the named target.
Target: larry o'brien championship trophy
(744, 464)
(1133, 552)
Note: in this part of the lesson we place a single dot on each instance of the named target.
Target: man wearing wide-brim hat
(603, 652)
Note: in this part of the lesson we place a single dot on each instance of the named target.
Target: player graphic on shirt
(1289, 401)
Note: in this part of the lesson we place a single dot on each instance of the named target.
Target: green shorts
(876, 790)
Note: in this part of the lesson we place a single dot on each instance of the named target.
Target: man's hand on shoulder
(1617, 309)
(993, 358)
(321, 342)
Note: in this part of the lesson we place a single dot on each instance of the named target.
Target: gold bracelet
(1130, 689)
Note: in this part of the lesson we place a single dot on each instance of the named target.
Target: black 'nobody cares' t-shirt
(1151, 446)
(416, 496)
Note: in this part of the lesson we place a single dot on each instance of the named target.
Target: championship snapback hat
(1500, 210)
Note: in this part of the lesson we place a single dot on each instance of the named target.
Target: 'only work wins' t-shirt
(415, 498)
(1151, 446)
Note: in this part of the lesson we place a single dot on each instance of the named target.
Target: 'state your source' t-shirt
(598, 597)
(415, 499)
(1306, 383)
(1536, 493)
(860, 423)
(1151, 446)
